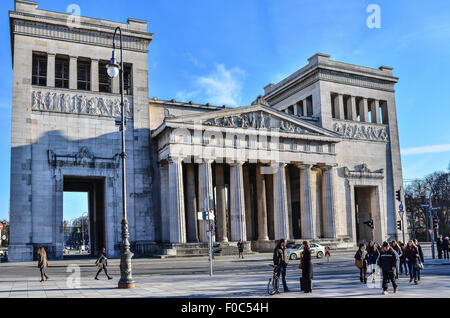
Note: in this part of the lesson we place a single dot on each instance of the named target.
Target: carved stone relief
(73, 103)
(361, 131)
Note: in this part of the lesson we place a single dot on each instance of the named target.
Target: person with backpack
(388, 262)
(361, 262)
(102, 263)
(412, 255)
(240, 246)
(420, 260)
(397, 249)
(281, 260)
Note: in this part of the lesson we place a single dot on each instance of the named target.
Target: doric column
(237, 204)
(263, 234)
(363, 110)
(73, 75)
(51, 69)
(191, 204)
(248, 202)
(295, 109)
(94, 75)
(177, 218)
(328, 202)
(351, 107)
(281, 222)
(221, 210)
(306, 203)
(206, 197)
(375, 109)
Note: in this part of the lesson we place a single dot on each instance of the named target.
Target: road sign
(203, 216)
(431, 231)
(437, 208)
(4, 237)
(401, 213)
(400, 207)
(424, 205)
(1, 226)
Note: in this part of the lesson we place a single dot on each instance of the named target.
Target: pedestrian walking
(446, 247)
(240, 246)
(43, 264)
(372, 259)
(281, 260)
(387, 262)
(327, 253)
(307, 269)
(421, 259)
(439, 246)
(398, 250)
(102, 264)
(361, 262)
(412, 256)
(403, 263)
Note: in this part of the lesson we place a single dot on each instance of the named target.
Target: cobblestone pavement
(190, 278)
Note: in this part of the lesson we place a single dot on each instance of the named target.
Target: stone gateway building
(313, 158)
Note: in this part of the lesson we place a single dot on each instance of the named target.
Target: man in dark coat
(388, 263)
(446, 247)
(439, 246)
(281, 260)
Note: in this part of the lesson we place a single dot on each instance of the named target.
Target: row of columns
(301, 108)
(354, 106)
(73, 74)
(179, 226)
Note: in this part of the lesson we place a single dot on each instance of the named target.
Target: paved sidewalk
(189, 278)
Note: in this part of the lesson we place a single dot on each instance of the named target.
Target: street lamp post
(114, 69)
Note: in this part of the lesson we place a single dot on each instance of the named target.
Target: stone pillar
(51, 69)
(164, 187)
(363, 110)
(339, 104)
(263, 234)
(191, 204)
(73, 74)
(94, 75)
(305, 107)
(351, 107)
(221, 210)
(289, 201)
(237, 204)
(375, 108)
(248, 202)
(205, 195)
(177, 217)
(306, 203)
(328, 202)
(281, 222)
(295, 109)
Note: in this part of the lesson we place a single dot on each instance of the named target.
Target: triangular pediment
(254, 117)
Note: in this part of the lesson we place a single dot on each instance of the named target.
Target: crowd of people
(443, 247)
(392, 260)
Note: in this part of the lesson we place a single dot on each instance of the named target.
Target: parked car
(2, 253)
(295, 250)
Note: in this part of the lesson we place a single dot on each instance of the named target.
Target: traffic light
(398, 195)
(370, 224)
(435, 222)
(399, 225)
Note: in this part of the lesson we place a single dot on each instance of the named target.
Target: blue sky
(226, 51)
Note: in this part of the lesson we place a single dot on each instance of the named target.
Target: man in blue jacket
(388, 263)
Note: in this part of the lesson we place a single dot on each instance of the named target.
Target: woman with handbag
(372, 259)
(421, 259)
(102, 263)
(307, 269)
(361, 262)
(412, 257)
(43, 263)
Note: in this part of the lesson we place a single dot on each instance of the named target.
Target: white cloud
(221, 86)
(426, 150)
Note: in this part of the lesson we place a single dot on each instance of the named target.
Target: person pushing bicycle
(281, 260)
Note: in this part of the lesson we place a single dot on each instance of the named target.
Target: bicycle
(274, 282)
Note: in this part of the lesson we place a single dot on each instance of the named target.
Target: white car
(295, 251)
(2, 253)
